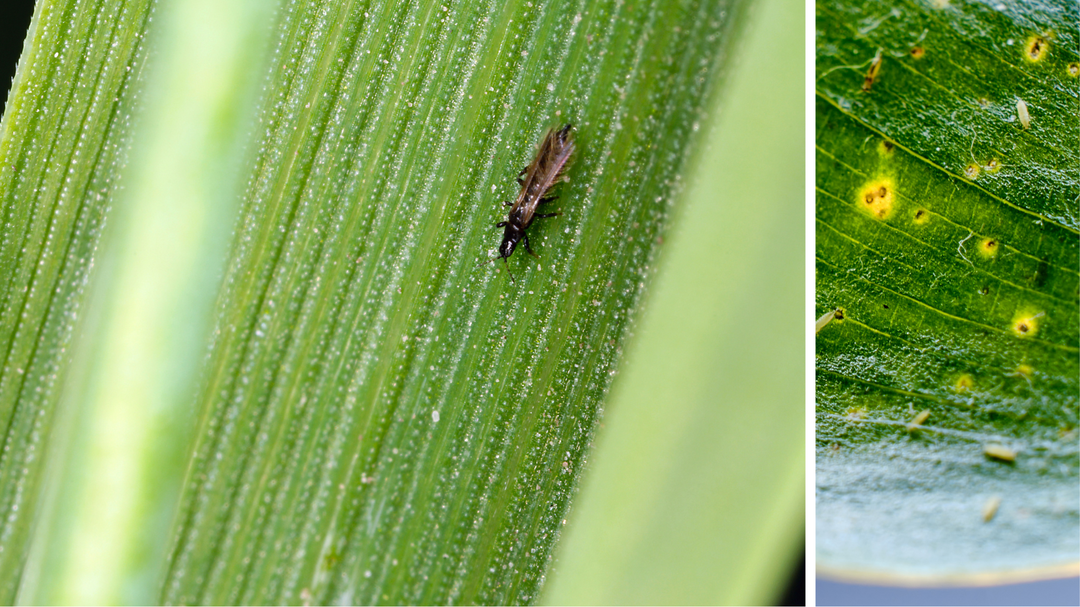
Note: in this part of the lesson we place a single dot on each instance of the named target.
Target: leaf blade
(388, 310)
(945, 248)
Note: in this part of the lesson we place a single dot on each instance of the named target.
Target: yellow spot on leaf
(971, 171)
(1035, 49)
(922, 216)
(877, 198)
(989, 247)
(964, 383)
(918, 52)
(1026, 324)
(1024, 370)
(1073, 69)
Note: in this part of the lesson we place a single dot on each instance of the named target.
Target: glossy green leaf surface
(947, 239)
(64, 139)
(114, 456)
(696, 492)
(380, 415)
(385, 417)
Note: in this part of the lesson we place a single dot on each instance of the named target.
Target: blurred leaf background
(251, 357)
(948, 179)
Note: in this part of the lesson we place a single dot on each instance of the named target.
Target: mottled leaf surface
(947, 239)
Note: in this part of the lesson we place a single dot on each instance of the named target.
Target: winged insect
(545, 171)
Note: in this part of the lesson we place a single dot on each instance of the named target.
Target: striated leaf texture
(64, 138)
(384, 418)
(695, 494)
(380, 416)
(947, 237)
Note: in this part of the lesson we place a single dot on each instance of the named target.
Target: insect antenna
(487, 261)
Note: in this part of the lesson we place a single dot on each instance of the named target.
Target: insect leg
(525, 238)
(548, 199)
(501, 224)
(547, 215)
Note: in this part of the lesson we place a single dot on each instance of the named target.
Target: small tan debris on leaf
(918, 420)
(1022, 112)
(999, 452)
(990, 508)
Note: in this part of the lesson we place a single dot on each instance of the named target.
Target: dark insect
(536, 180)
(875, 67)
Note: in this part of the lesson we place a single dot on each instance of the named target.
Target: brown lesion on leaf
(989, 247)
(1026, 323)
(1073, 69)
(1036, 48)
(921, 216)
(917, 52)
(878, 198)
(886, 148)
(993, 165)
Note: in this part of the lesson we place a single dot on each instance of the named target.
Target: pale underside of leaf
(947, 239)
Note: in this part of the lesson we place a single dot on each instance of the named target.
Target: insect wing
(543, 172)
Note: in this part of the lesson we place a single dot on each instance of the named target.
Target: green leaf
(116, 454)
(336, 402)
(696, 493)
(66, 129)
(947, 239)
